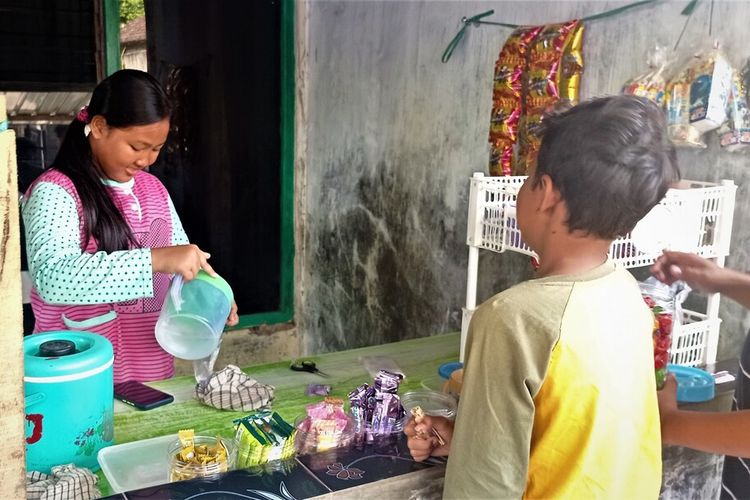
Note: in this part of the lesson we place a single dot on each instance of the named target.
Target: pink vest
(128, 325)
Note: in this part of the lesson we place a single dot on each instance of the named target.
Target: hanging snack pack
(709, 91)
(263, 437)
(734, 135)
(555, 64)
(537, 67)
(665, 303)
(506, 99)
(677, 104)
(652, 84)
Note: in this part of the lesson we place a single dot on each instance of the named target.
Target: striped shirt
(735, 481)
(114, 294)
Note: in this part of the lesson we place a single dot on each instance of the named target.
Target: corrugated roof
(134, 31)
(45, 106)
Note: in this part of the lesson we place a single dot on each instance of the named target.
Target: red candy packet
(665, 303)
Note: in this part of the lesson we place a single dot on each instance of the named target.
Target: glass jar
(180, 470)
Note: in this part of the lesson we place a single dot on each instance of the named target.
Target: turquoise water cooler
(68, 396)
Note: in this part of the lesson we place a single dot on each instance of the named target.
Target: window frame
(285, 312)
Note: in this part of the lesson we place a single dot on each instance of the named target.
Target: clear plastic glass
(309, 440)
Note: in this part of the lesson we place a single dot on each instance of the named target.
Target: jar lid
(693, 384)
(218, 282)
(446, 369)
(47, 359)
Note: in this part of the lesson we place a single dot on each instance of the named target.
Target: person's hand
(185, 260)
(667, 397)
(702, 275)
(233, 318)
(422, 442)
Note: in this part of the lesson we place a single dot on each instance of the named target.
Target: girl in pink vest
(103, 238)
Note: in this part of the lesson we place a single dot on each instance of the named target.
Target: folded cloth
(67, 482)
(233, 389)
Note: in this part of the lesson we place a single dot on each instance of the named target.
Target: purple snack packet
(386, 414)
(358, 407)
(318, 390)
(370, 403)
(386, 381)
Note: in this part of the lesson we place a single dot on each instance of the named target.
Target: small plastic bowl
(309, 442)
(434, 403)
(180, 470)
(693, 384)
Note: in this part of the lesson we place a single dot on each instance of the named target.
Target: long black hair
(126, 98)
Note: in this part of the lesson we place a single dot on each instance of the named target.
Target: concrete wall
(390, 136)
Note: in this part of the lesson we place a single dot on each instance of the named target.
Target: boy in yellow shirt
(559, 396)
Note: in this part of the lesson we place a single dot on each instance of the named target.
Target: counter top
(419, 359)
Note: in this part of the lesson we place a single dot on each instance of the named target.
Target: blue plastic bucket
(68, 398)
(193, 316)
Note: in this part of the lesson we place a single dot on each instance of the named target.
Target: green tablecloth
(418, 358)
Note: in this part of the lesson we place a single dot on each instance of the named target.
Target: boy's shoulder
(533, 300)
(548, 297)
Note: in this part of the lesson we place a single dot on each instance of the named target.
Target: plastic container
(193, 316)
(181, 471)
(68, 397)
(436, 404)
(693, 384)
(663, 308)
(138, 464)
(308, 441)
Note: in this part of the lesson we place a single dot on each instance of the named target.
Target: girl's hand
(185, 260)
(233, 318)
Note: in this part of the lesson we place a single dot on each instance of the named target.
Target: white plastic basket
(696, 210)
(694, 341)
(697, 216)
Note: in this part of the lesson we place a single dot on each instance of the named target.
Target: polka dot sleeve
(179, 237)
(61, 272)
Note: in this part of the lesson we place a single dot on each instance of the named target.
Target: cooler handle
(34, 399)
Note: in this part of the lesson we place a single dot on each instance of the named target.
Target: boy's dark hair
(125, 99)
(612, 161)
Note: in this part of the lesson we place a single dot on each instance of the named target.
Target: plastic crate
(694, 341)
(698, 219)
(697, 210)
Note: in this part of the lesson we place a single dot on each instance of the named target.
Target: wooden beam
(13, 465)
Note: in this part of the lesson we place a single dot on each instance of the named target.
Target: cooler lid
(65, 353)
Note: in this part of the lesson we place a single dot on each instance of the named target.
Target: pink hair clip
(83, 115)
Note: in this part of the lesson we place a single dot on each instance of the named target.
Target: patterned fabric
(735, 481)
(113, 294)
(67, 482)
(232, 389)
